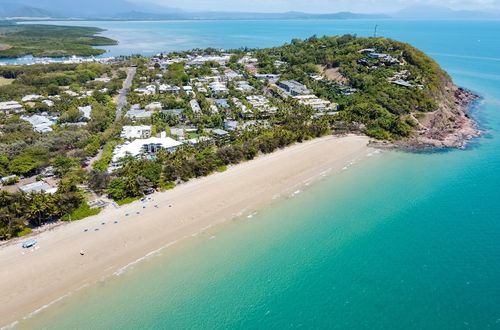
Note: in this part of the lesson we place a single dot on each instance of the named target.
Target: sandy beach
(32, 278)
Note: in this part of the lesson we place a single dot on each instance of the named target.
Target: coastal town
(111, 130)
(249, 164)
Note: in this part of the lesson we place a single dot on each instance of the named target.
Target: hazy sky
(322, 6)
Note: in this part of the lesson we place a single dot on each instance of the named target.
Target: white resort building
(136, 132)
(139, 147)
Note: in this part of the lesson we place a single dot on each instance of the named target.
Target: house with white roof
(180, 132)
(6, 179)
(257, 100)
(104, 79)
(294, 88)
(41, 124)
(231, 75)
(167, 89)
(148, 90)
(84, 94)
(232, 125)
(366, 50)
(49, 103)
(248, 60)
(173, 112)
(217, 132)
(38, 187)
(71, 93)
(239, 104)
(315, 102)
(243, 86)
(136, 132)
(213, 109)
(11, 106)
(138, 114)
(85, 111)
(261, 103)
(272, 78)
(31, 97)
(218, 87)
(195, 106)
(202, 90)
(154, 106)
(200, 60)
(401, 82)
(222, 103)
(197, 140)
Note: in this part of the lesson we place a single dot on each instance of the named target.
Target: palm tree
(36, 207)
(5, 198)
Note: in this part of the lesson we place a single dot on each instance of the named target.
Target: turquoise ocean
(397, 241)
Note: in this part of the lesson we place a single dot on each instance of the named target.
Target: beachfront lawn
(127, 200)
(24, 232)
(83, 211)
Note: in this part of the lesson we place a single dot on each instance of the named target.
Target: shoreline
(451, 126)
(36, 278)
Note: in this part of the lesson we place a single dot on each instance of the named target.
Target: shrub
(167, 185)
(24, 232)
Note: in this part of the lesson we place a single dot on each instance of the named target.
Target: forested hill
(401, 93)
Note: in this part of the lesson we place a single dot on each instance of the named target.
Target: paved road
(122, 97)
(93, 160)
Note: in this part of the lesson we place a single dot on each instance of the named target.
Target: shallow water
(398, 241)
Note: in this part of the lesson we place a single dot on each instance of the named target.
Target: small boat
(29, 243)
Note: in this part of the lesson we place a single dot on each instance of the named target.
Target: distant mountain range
(17, 10)
(126, 10)
(242, 15)
(85, 9)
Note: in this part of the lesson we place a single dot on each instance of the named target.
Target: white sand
(55, 267)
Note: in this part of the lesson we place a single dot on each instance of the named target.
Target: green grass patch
(81, 212)
(222, 168)
(127, 200)
(167, 185)
(24, 232)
